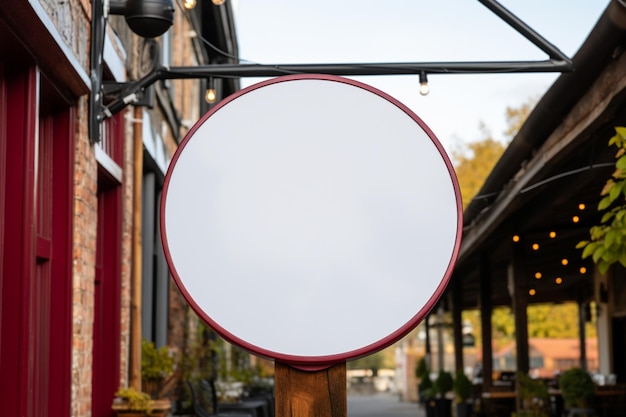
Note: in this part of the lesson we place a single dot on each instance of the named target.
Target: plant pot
(160, 408)
(463, 409)
(443, 407)
(581, 412)
(431, 408)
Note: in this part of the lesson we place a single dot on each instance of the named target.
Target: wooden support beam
(457, 324)
(519, 296)
(321, 393)
(486, 308)
(135, 288)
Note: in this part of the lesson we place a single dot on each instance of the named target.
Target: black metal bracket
(131, 93)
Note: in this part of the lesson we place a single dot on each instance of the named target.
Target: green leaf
(608, 215)
(621, 163)
(622, 258)
(589, 249)
(604, 203)
(603, 267)
(598, 253)
(582, 244)
(616, 190)
(621, 132)
(609, 238)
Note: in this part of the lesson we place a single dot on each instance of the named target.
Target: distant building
(548, 357)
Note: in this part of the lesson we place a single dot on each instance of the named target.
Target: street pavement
(382, 404)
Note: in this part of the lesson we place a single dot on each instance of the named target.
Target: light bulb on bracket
(424, 89)
(211, 95)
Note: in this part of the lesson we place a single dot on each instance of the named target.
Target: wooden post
(457, 323)
(486, 309)
(135, 288)
(310, 393)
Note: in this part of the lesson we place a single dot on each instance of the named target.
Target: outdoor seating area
(547, 399)
(206, 403)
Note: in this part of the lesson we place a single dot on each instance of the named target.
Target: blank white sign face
(311, 219)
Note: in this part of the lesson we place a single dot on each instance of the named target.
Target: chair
(204, 400)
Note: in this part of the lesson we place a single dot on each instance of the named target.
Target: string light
(218, 2)
(558, 280)
(189, 4)
(535, 246)
(564, 261)
(532, 291)
(552, 234)
(538, 275)
(210, 95)
(424, 89)
(515, 238)
(575, 219)
(581, 206)
(583, 270)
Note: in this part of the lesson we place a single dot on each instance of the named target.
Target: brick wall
(126, 256)
(83, 269)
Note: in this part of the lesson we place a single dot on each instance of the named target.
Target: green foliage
(157, 368)
(534, 396)
(426, 388)
(531, 389)
(136, 401)
(462, 386)
(421, 370)
(556, 321)
(516, 116)
(577, 387)
(473, 163)
(384, 359)
(503, 325)
(607, 243)
(444, 382)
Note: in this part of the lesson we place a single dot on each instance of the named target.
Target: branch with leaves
(607, 244)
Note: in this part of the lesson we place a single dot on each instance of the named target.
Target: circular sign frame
(311, 219)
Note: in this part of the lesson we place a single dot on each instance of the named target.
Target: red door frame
(106, 334)
(35, 317)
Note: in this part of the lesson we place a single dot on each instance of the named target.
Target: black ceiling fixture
(151, 18)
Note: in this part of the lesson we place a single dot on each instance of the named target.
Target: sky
(367, 31)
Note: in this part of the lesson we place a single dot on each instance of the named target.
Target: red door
(106, 333)
(35, 231)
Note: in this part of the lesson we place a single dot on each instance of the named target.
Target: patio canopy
(521, 230)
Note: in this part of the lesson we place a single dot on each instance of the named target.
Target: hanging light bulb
(218, 2)
(424, 89)
(189, 4)
(210, 95)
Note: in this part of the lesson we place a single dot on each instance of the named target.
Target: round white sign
(311, 219)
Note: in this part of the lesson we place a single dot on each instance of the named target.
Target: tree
(607, 244)
(474, 161)
(516, 116)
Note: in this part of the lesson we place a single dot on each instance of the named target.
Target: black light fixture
(147, 18)
(424, 89)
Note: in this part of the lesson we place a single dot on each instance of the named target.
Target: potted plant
(427, 398)
(157, 369)
(462, 388)
(157, 375)
(578, 391)
(443, 385)
(132, 403)
(421, 373)
(533, 395)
